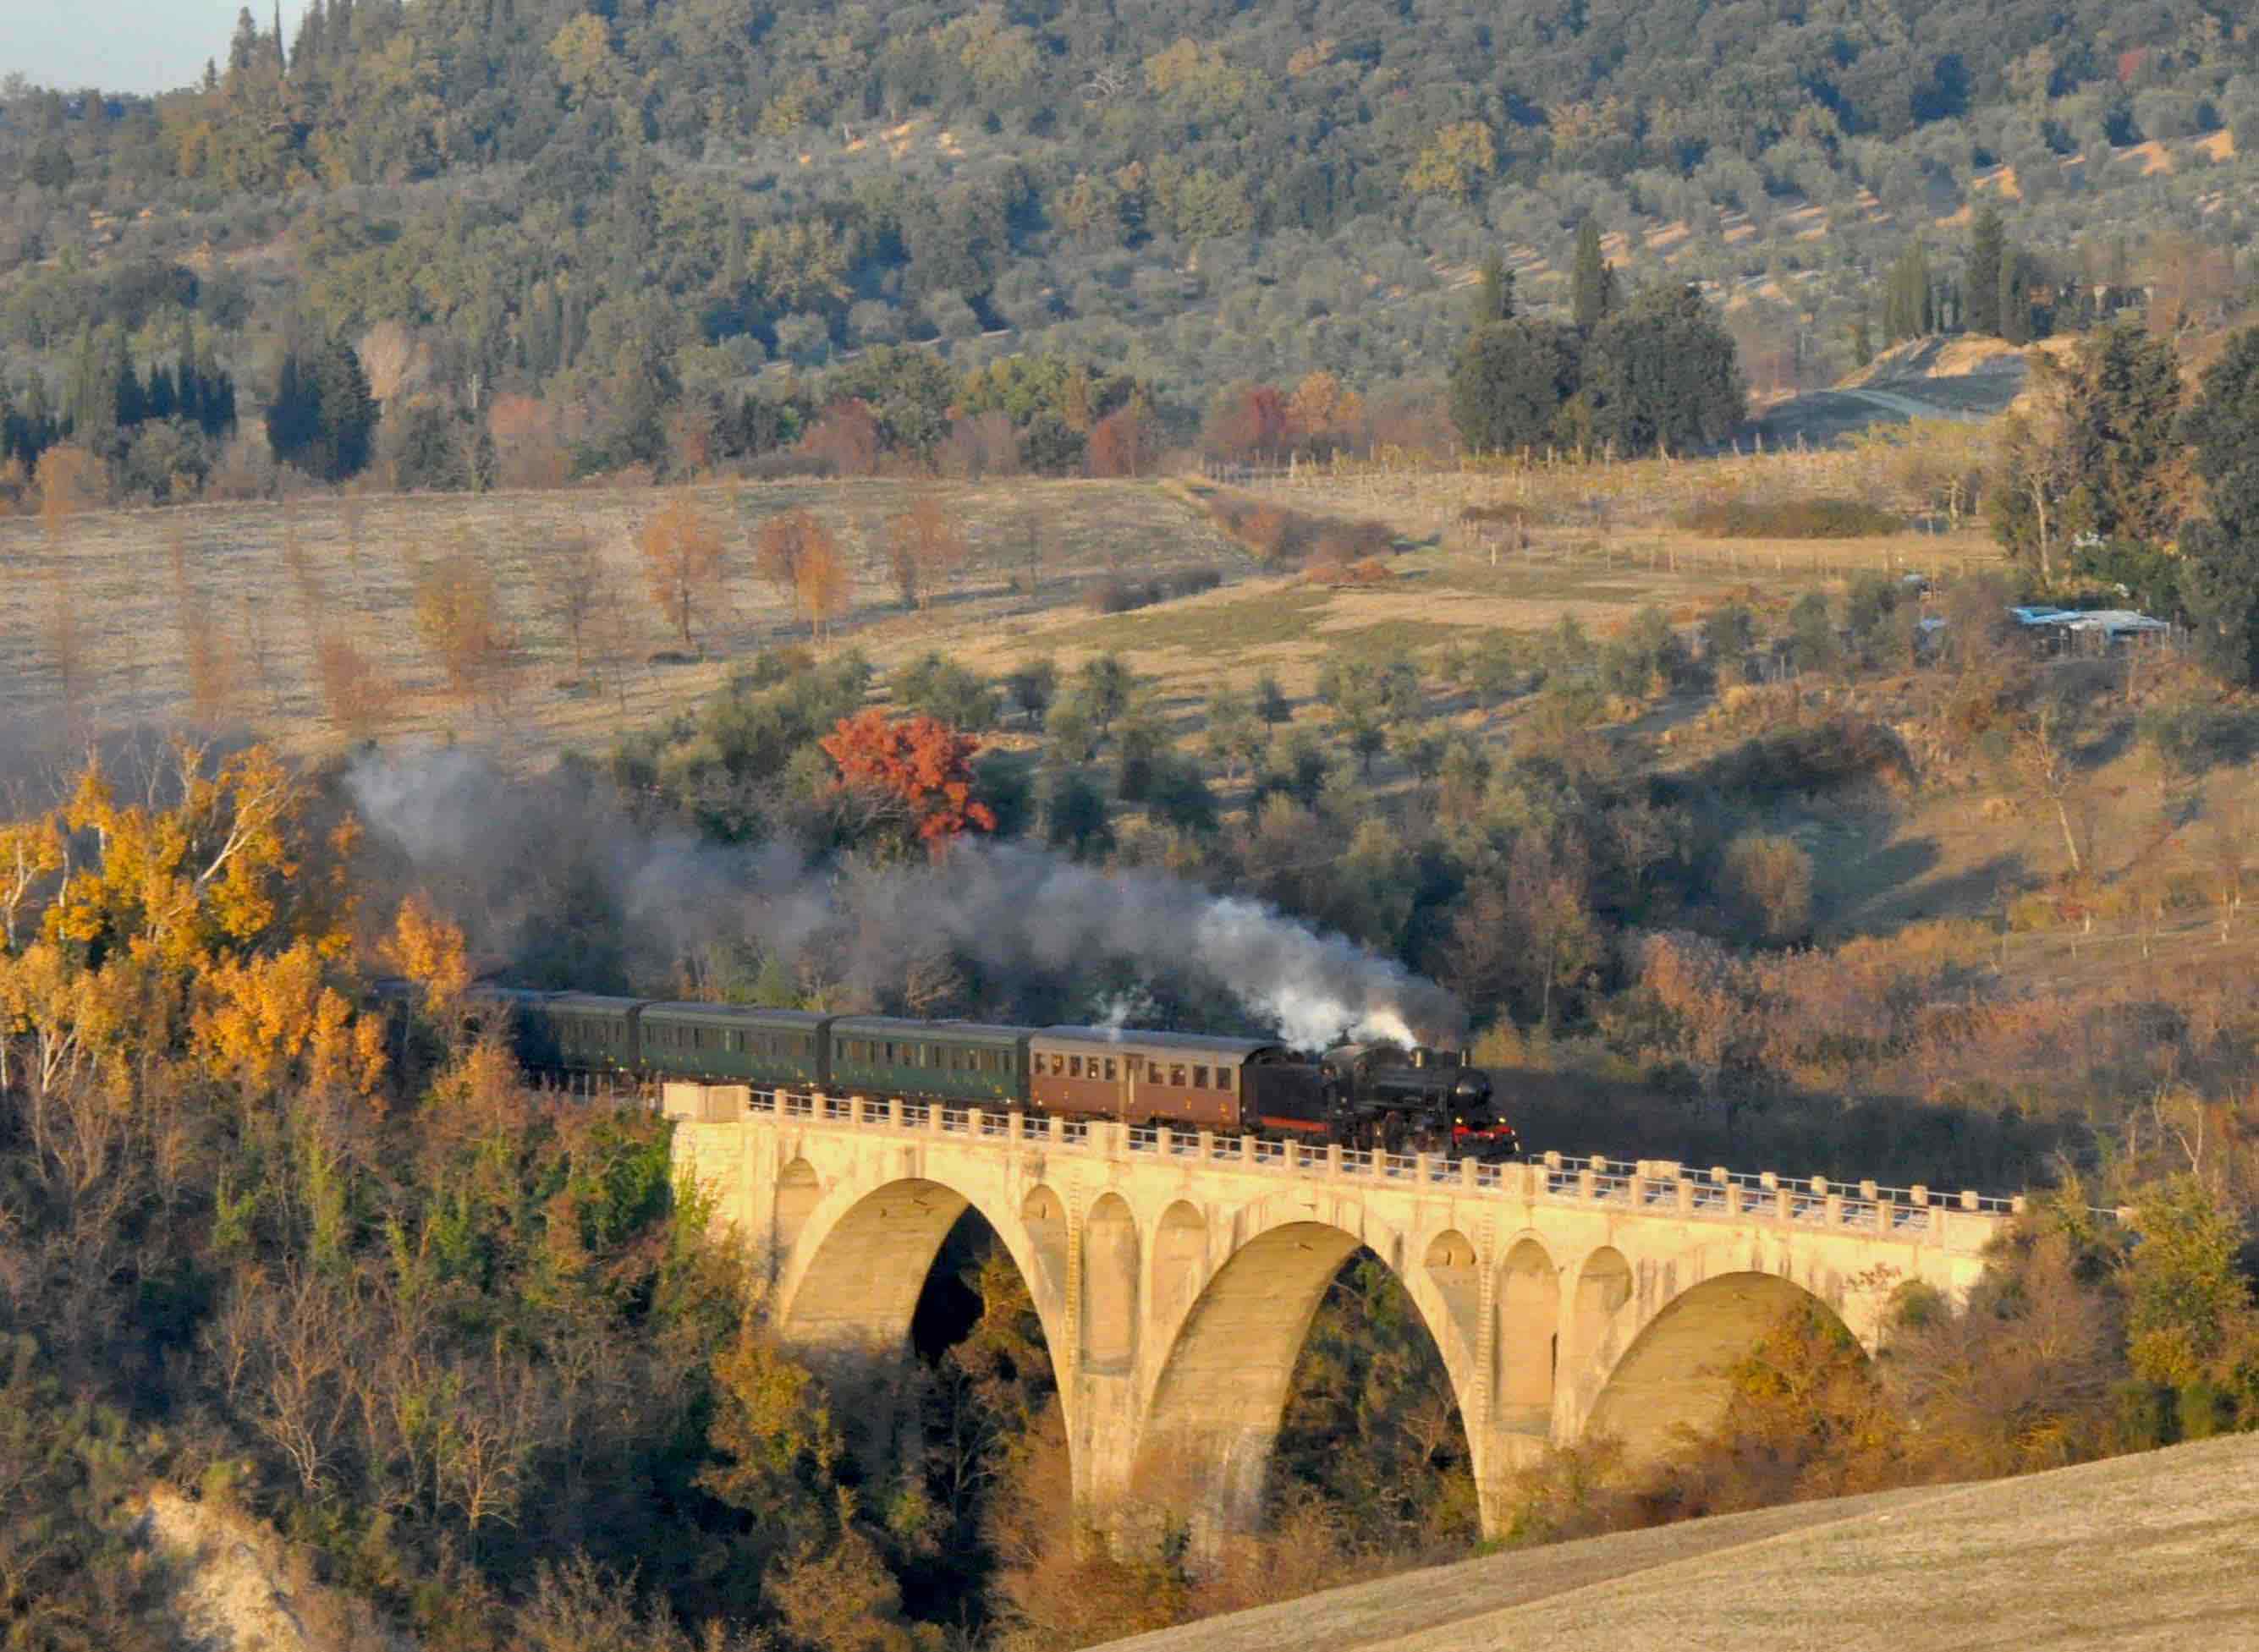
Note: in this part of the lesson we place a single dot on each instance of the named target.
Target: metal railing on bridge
(1653, 1187)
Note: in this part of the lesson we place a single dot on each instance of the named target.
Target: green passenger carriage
(963, 1062)
(767, 1049)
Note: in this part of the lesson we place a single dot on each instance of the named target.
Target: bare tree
(302, 1401)
(357, 697)
(458, 613)
(784, 542)
(821, 585)
(393, 361)
(574, 585)
(924, 550)
(2045, 763)
(2225, 843)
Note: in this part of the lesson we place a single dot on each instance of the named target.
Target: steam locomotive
(1362, 1095)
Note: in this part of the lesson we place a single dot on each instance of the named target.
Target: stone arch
(1526, 1350)
(798, 1193)
(1220, 1393)
(853, 1280)
(1673, 1374)
(1042, 1214)
(1604, 1284)
(1108, 1316)
(1456, 1279)
(1178, 1267)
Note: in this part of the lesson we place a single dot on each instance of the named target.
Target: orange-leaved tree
(684, 559)
(916, 770)
(429, 949)
(212, 912)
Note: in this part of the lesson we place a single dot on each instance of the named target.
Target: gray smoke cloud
(556, 873)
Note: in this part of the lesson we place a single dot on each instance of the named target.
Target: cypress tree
(1493, 299)
(161, 400)
(2014, 288)
(1987, 244)
(1590, 280)
(348, 411)
(1862, 340)
(130, 404)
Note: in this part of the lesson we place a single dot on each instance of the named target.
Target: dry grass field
(99, 618)
(96, 623)
(2158, 1551)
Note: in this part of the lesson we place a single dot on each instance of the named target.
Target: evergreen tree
(1909, 306)
(1661, 373)
(2219, 554)
(323, 415)
(243, 50)
(2122, 424)
(1493, 299)
(1863, 339)
(2015, 290)
(1987, 244)
(1510, 383)
(1591, 280)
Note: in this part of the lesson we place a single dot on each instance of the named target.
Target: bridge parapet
(1965, 1221)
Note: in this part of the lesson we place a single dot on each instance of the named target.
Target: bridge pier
(1176, 1277)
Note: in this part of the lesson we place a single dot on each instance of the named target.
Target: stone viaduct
(1176, 1275)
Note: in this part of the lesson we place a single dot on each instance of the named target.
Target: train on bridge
(1358, 1096)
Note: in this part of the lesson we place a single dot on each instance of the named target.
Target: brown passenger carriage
(1186, 1080)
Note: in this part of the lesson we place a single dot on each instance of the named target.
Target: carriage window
(1074, 1066)
(1110, 1069)
(1227, 1079)
(1199, 1078)
(1177, 1076)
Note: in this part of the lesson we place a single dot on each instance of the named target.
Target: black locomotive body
(1368, 1095)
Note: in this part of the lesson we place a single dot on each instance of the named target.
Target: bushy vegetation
(2082, 1340)
(1789, 519)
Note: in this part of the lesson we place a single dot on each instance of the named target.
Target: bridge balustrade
(1718, 1192)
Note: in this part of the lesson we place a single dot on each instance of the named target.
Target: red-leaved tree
(918, 771)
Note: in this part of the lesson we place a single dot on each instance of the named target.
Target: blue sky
(128, 45)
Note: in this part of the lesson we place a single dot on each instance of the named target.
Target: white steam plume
(555, 867)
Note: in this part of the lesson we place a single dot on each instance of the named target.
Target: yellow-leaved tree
(209, 915)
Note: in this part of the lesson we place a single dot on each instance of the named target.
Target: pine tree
(243, 50)
(1987, 244)
(1590, 281)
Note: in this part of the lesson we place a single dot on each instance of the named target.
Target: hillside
(1196, 198)
(2159, 1550)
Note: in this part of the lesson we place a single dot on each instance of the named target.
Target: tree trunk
(2070, 839)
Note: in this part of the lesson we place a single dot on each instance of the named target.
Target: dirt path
(1891, 402)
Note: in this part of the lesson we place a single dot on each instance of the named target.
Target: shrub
(1115, 595)
(1789, 519)
(1765, 885)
